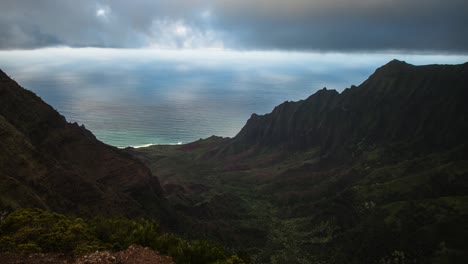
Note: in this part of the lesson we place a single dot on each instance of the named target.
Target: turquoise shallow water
(140, 97)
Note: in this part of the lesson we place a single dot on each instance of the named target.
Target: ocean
(140, 97)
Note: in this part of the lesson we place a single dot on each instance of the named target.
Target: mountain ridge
(63, 167)
(382, 92)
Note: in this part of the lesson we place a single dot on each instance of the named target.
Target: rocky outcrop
(134, 254)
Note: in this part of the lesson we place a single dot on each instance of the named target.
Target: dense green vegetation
(386, 205)
(36, 230)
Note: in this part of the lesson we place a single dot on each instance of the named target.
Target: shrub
(35, 230)
(120, 233)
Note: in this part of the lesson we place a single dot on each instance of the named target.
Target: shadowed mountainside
(423, 105)
(49, 163)
(375, 174)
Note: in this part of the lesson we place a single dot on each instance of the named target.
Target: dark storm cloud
(328, 25)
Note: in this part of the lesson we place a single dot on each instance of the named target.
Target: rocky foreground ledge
(132, 255)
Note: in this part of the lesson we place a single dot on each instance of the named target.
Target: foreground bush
(35, 230)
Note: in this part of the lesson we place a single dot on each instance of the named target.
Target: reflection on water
(138, 97)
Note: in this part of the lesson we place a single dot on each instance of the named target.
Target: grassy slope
(15, 191)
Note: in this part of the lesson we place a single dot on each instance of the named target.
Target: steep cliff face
(422, 105)
(50, 163)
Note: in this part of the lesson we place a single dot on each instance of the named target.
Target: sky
(294, 25)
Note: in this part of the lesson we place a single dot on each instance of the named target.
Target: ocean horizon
(147, 97)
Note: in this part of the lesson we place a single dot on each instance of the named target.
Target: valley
(388, 190)
(375, 174)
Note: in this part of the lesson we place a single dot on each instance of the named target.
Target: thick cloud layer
(326, 25)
